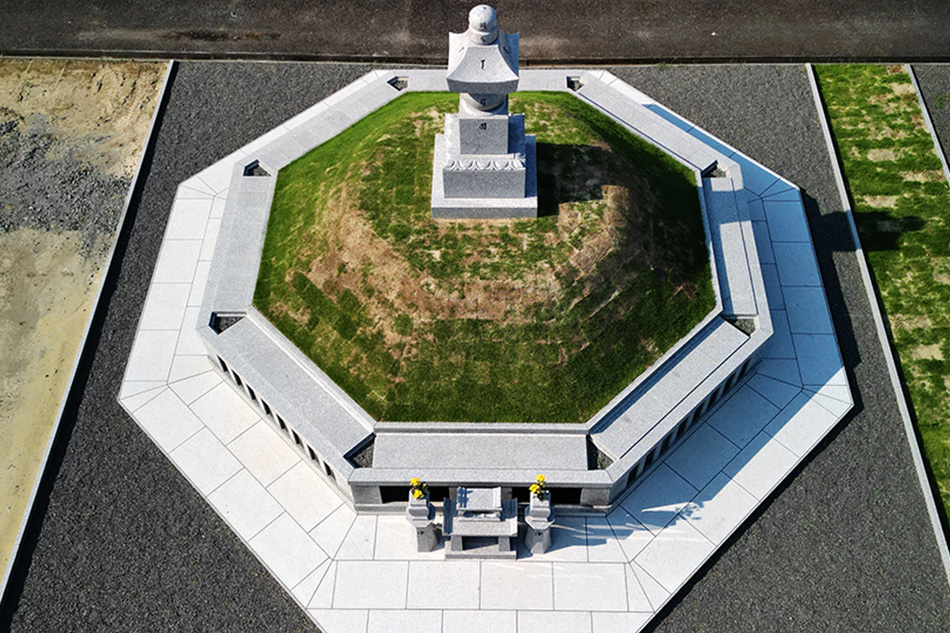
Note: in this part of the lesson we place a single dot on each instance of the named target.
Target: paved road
(414, 30)
(126, 544)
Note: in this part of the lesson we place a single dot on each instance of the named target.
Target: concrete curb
(149, 137)
(879, 322)
(928, 121)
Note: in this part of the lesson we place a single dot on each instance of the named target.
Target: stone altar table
(478, 524)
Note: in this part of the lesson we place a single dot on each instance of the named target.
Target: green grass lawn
(513, 320)
(902, 210)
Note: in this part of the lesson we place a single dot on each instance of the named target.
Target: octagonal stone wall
(588, 465)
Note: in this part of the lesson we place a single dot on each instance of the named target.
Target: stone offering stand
(480, 513)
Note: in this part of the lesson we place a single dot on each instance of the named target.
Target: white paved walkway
(361, 573)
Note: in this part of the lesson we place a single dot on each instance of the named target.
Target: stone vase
(418, 508)
(540, 509)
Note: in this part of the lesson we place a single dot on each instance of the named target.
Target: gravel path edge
(930, 124)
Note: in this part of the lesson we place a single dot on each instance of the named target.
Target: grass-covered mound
(504, 320)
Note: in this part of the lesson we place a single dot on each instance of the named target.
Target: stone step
(485, 548)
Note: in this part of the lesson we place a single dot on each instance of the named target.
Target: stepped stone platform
(605, 571)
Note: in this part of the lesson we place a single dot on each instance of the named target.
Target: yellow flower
(414, 482)
(541, 479)
(417, 494)
(535, 487)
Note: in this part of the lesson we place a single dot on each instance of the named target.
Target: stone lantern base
(421, 516)
(540, 517)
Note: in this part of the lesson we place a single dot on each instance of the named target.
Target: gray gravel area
(846, 545)
(44, 187)
(126, 544)
(934, 82)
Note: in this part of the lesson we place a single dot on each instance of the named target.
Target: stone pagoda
(484, 165)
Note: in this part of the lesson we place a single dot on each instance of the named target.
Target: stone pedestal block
(480, 207)
(428, 537)
(540, 517)
(421, 516)
(537, 541)
(469, 170)
(482, 135)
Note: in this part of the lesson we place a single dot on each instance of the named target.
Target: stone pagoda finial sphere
(483, 24)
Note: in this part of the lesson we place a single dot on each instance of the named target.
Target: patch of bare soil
(602, 215)
(932, 175)
(46, 291)
(927, 352)
(97, 111)
(908, 322)
(878, 155)
(903, 89)
(881, 202)
(70, 136)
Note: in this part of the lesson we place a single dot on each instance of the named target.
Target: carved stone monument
(484, 165)
(479, 524)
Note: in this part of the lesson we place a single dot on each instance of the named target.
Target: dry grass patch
(931, 175)
(878, 155)
(881, 202)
